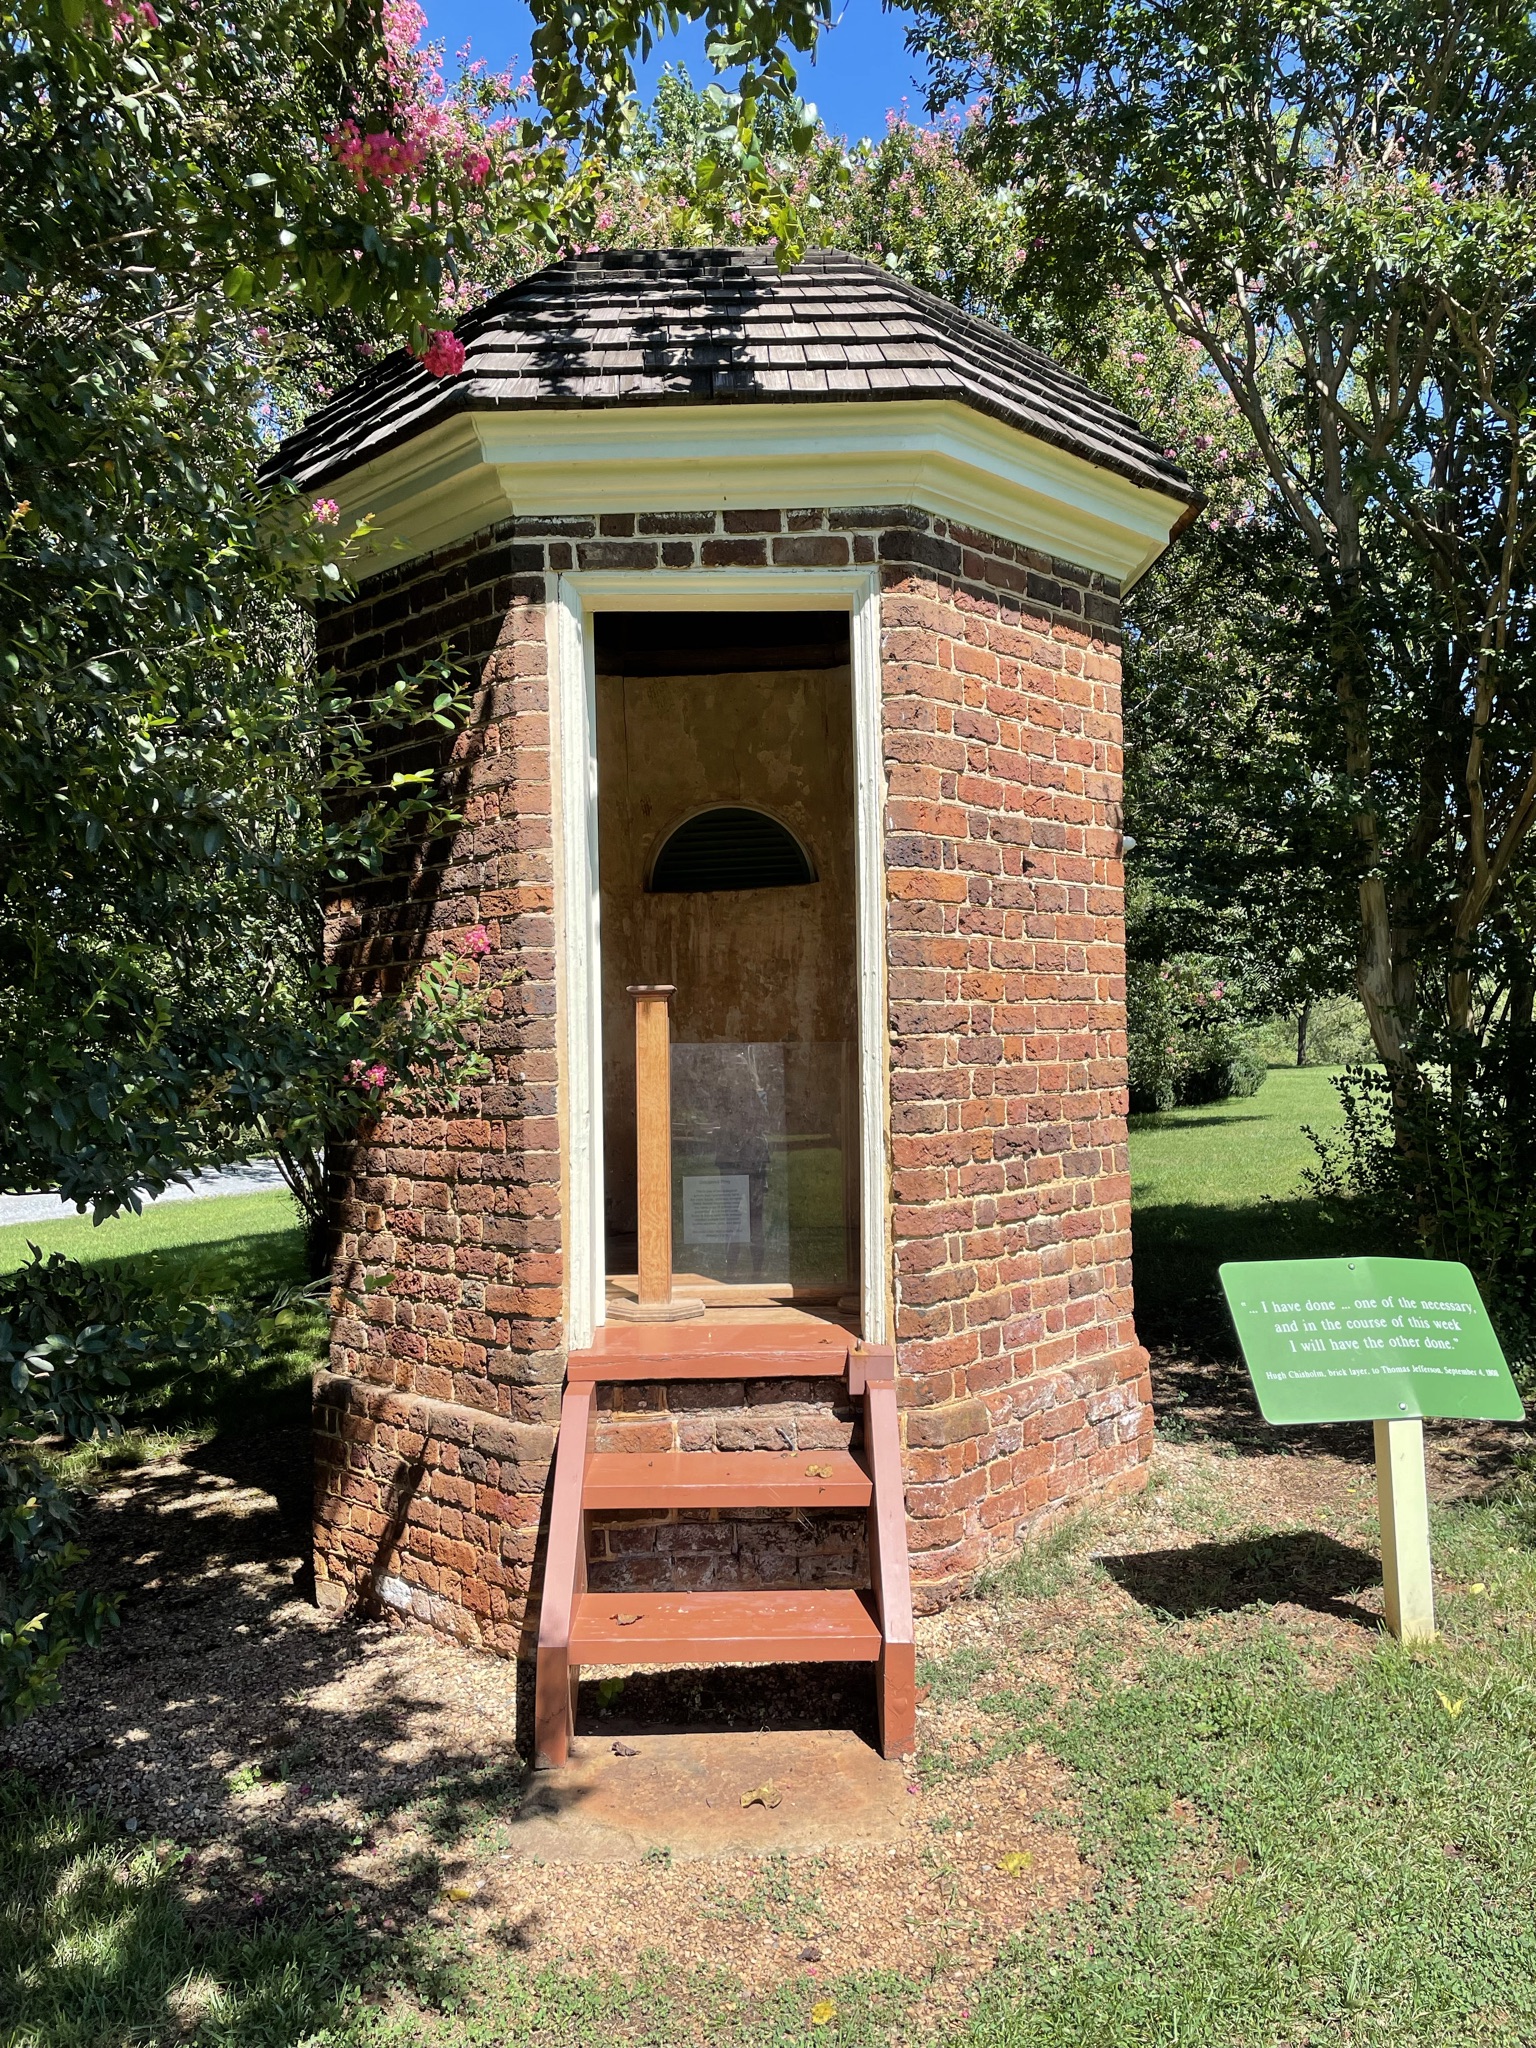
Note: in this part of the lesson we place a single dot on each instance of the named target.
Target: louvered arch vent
(730, 847)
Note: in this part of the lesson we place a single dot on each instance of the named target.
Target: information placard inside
(1368, 1340)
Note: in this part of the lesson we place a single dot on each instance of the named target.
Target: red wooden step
(790, 1627)
(704, 1351)
(725, 1479)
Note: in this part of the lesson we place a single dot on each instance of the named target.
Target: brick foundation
(1022, 1386)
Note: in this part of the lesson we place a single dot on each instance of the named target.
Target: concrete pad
(683, 1793)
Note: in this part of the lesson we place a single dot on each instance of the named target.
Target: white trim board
(573, 601)
(943, 457)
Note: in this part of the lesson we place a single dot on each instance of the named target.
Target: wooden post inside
(655, 1302)
(1402, 1500)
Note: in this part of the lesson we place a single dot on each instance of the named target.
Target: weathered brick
(1021, 1382)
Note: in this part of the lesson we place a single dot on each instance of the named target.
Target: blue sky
(862, 68)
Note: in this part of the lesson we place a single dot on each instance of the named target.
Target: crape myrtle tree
(208, 215)
(1336, 206)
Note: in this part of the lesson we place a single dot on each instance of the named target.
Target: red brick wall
(1022, 1382)
(1022, 1385)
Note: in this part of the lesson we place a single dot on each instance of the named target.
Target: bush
(1441, 1163)
(1186, 1042)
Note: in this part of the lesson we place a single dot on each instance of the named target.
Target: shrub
(1440, 1163)
(1187, 1044)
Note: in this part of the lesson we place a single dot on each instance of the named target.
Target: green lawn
(1223, 1182)
(1295, 1834)
(235, 1249)
(204, 1230)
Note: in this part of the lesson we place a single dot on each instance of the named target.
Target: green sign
(1368, 1340)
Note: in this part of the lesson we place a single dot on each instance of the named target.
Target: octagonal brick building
(790, 609)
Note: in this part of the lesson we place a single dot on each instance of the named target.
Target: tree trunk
(319, 1242)
(1303, 1021)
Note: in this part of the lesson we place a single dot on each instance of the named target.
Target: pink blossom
(444, 354)
(262, 333)
(604, 219)
(124, 16)
(326, 511)
(1138, 355)
(476, 942)
(370, 1079)
(382, 156)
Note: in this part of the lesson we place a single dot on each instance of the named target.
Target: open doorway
(726, 861)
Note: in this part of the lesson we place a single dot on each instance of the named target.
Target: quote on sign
(1367, 1339)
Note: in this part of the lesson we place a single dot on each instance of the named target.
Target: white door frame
(572, 601)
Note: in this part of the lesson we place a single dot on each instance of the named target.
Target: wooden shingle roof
(687, 327)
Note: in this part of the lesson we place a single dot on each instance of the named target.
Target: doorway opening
(726, 864)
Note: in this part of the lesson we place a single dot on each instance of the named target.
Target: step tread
(735, 1627)
(639, 1351)
(726, 1479)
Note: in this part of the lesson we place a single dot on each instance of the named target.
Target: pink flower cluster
(125, 18)
(476, 942)
(444, 354)
(372, 1080)
(380, 156)
(326, 511)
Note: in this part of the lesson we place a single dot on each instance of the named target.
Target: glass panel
(764, 1165)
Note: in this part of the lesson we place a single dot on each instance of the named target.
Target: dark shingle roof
(722, 327)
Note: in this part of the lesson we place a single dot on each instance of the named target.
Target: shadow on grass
(1304, 1568)
(1179, 1249)
(1200, 1388)
(187, 1841)
(245, 1396)
(1181, 1120)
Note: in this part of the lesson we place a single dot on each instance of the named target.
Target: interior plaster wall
(748, 965)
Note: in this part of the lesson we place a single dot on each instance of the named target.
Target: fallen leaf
(461, 1892)
(920, 1695)
(818, 1471)
(626, 1620)
(1452, 1707)
(762, 1795)
(1477, 1586)
(1016, 1862)
(625, 1749)
(823, 2012)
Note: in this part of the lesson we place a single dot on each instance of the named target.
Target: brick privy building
(791, 609)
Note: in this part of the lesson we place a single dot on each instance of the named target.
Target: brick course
(1022, 1385)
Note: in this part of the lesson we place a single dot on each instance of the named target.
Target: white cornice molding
(944, 457)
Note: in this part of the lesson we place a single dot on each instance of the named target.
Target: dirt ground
(300, 1762)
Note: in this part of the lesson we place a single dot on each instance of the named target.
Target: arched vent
(730, 848)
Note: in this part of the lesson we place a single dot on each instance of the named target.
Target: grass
(198, 1228)
(1223, 1182)
(1295, 1838)
(234, 1249)
(1288, 1860)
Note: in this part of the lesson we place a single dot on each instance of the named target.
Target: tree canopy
(1336, 206)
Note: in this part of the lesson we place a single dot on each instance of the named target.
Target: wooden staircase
(739, 1626)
